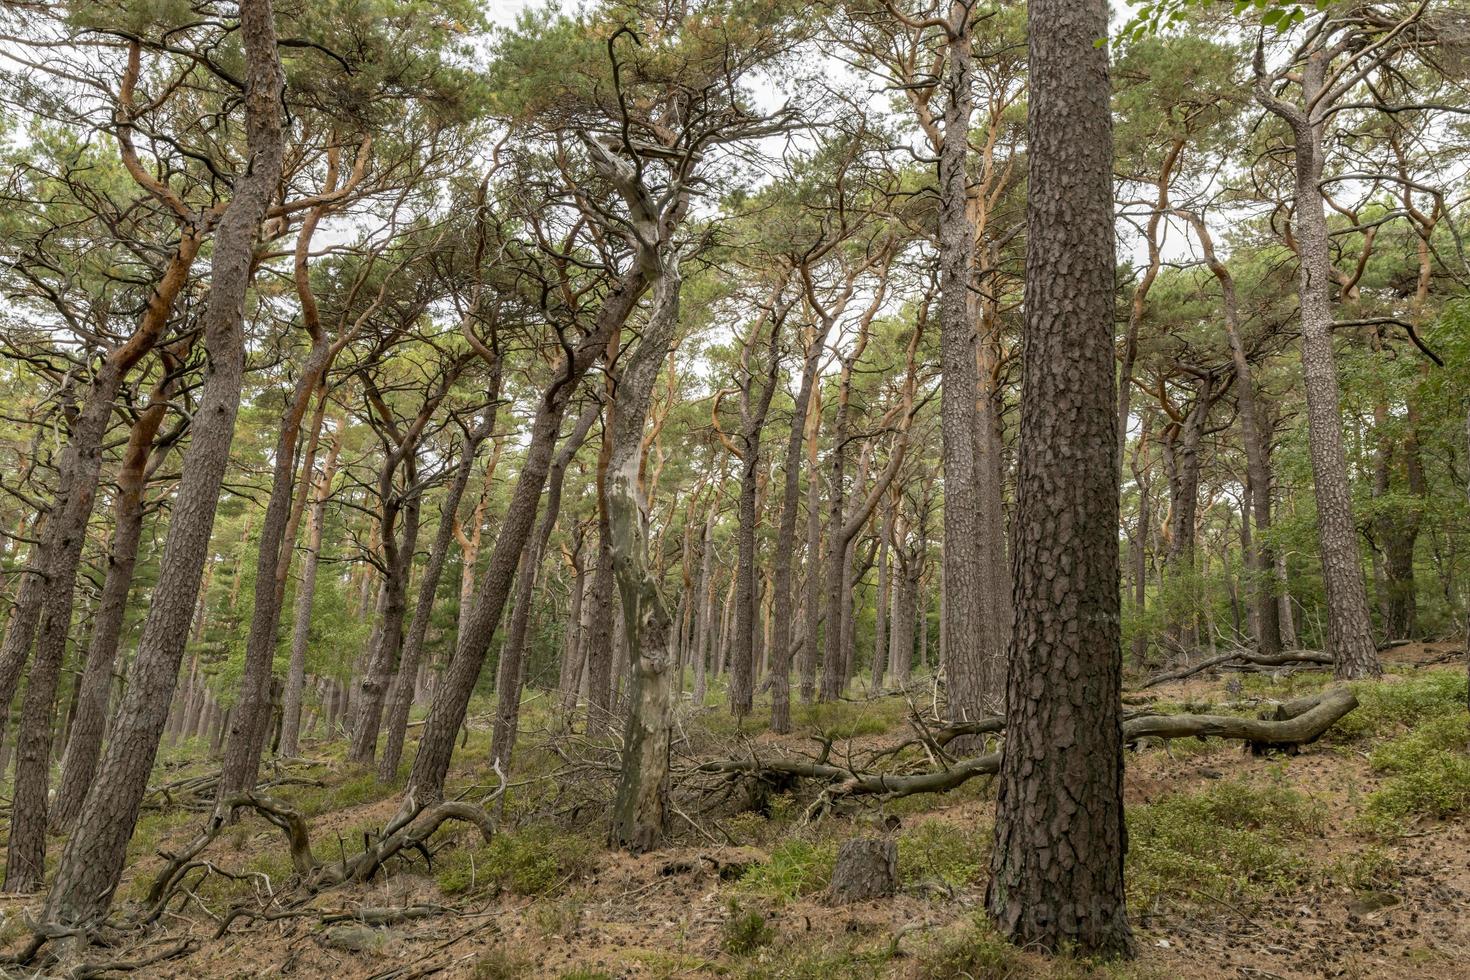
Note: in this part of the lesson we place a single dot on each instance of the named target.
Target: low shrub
(1233, 842)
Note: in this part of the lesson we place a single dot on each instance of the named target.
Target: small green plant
(501, 964)
(1367, 870)
(1428, 766)
(745, 931)
(976, 950)
(796, 867)
(935, 850)
(530, 862)
(1439, 788)
(846, 719)
(557, 918)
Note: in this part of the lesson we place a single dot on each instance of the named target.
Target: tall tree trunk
(509, 672)
(784, 557)
(61, 554)
(753, 408)
(92, 862)
(813, 568)
(640, 808)
(306, 598)
(974, 671)
(1257, 452)
(1350, 638)
(84, 744)
(400, 696)
(431, 765)
(383, 656)
(1057, 864)
(704, 621)
(883, 601)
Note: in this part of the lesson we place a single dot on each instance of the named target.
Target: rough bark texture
(60, 556)
(84, 743)
(1350, 639)
(784, 557)
(93, 858)
(884, 600)
(754, 404)
(1057, 864)
(640, 808)
(974, 666)
(866, 868)
(400, 696)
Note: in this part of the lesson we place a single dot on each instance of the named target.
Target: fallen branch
(1241, 658)
(1307, 719)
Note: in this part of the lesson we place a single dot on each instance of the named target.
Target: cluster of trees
(358, 356)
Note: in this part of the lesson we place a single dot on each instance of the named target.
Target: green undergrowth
(976, 950)
(1234, 843)
(796, 867)
(1428, 774)
(745, 930)
(956, 855)
(1390, 708)
(531, 861)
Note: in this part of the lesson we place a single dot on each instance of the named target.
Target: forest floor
(1350, 858)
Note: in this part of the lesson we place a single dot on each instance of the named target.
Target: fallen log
(1312, 718)
(1241, 658)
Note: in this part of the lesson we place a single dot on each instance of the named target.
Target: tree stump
(867, 867)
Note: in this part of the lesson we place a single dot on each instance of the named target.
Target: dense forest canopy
(712, 461)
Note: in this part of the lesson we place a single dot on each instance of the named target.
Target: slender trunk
(92, 862)
(431, 765)
(383, 659)
(400, 697)
(85, 742)
(306, 598)
(1350, 638)
(813, 566)
(883, 601)
(1257, 452)
(510, 672)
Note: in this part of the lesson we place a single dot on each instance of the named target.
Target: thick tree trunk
(640, 808)
(92, 861)
(1057, 864)
(60, 553)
